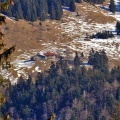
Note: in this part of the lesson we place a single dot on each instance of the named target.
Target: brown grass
(106, 2)
(93, 13)
(114, 63)
(27, 35)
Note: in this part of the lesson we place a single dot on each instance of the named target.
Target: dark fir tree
(52, 10)
(99, 60)
(118, 93)
(112, 6)
(59, 11)
(118, 27)
(91, 57)
(72, 6)
(77, 60)
(78, 1)
(34, 14)
(104, 61)
(55, 9)
(42, 9)
(65, 2)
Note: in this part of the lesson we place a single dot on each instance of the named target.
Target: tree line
(103, 35)
(66, 92)
(42, 9)
(39, 9)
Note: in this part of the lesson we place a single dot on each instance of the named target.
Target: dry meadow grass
(28, 36)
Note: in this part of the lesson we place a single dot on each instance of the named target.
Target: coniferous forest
(32, 10)
(35, 9)
(72, 94)
(82, 93)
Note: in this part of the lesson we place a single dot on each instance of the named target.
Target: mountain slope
(67, 34)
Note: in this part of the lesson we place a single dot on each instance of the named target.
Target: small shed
(50, 54)
(38, 57)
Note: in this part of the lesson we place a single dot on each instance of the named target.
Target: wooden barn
(50, 54)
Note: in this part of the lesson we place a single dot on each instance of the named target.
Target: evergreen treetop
(112, 6)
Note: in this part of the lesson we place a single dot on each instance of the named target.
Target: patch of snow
(65, 8)
(19, 50)
(37, 69)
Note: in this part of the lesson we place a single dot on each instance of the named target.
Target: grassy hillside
(67, 34)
